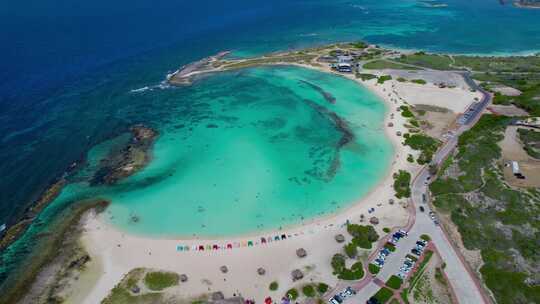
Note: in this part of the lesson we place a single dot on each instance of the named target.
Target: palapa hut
(218, 295)
(340, 238)
(183, 278)
(301, 252)
(297, 274)
(224, 269)
(261, 271)
(374, 220)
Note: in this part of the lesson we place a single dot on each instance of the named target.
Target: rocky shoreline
(184, 76)
(57, 247)
(127, 161)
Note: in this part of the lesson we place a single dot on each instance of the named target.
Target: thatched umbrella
(340, 238)
(261, 271)
(390, 124)
(398, 133)
(391, 201)
(297, 274)
(135, 289)
(374, 220)
(301, 252)
(217, 296)
(183, 278)
(224, 269)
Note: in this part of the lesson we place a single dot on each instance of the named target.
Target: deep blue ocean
(67, 67)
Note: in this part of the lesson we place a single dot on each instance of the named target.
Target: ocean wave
(309, 35)
(162, 85)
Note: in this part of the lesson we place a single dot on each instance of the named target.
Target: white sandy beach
(117, 253)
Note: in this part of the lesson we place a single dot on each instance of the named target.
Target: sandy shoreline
(119, 252)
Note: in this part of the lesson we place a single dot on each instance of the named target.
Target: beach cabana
(186, 248)
(179, 248)
(250, 243)
(263, 240)
(283, 237)
(269, 239)
(229, 246)
(215, 247)
(208, 247)
(201, 248)
(276, 238)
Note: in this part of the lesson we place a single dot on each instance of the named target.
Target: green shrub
(363, 236)
(383, 295)
(401, 79)
(338, 263)
(410, 158)
(425, 237)
(402, 181)
(308, 291)
(419, 81)
(394, 282)
(374, 269)
(355, 273)
(384, 78)
(292, 294)
(406, 112)
(386, 230)
(322, 288)
(159, 280)
(350, 250)
(274, 286)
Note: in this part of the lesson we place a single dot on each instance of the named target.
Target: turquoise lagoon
(252, 150)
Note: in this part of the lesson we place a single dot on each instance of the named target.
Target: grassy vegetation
(439, 276)
(438, 62)
(384, 78)
(426, 144)
(363, 236)
(531, 142)
(121, 293)
(419, 81)
(500, 221)
(406, 112)
(308, 291)
(386, 64)
(420, 270)
(423, 291)
(394, 282)
(365, 76)
(401, 79)
(359, 45)
(402, 184)
(373, 269)
(273, 286)
(386, 230)
(383, 295)
(159, 280)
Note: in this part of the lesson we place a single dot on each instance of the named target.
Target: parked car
(385, 251)
(349, 291)
(421, 243)
(334, 300)
(403, 232)
(422, 209)
(416, 251)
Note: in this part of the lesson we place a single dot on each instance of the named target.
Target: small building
(344, 67)
(345, 59)
(515, 167)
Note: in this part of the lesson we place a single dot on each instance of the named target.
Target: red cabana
(215, 247)
(263, 240)
(201, 248)
(229, 246)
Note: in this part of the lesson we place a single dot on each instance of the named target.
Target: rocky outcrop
(125, 162)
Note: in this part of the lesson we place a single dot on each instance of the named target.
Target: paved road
(464, 282)
(465, 285)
